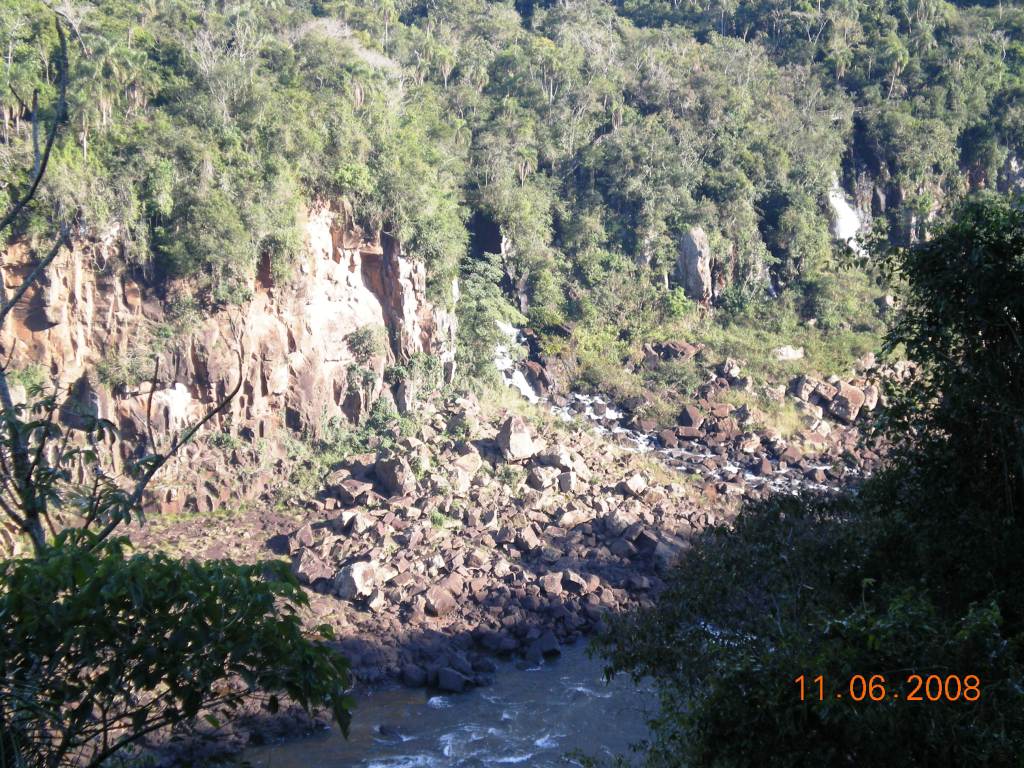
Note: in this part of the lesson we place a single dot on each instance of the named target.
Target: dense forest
(556, 167)
(575, 142)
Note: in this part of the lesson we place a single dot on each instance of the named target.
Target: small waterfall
(506, 364)
(846, 223)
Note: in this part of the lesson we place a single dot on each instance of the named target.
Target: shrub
(366, 343)
(99, 649)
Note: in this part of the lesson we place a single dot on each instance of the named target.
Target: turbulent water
(533, 717)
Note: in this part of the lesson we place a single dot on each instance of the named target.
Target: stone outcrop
(298, 368)
(694, 265)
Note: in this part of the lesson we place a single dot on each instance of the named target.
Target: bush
(99, 649)
(366, 343)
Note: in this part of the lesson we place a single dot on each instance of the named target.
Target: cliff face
(300, 365)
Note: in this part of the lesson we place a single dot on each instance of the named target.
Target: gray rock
(694, 265)
(515, 441)
(452, 680)
(355, 581)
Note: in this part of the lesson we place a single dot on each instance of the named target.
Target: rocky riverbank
(485, 534)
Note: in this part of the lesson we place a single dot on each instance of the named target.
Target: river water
(532, 716)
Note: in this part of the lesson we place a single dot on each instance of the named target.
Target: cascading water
(615, 424)
(506, 364)
(846, 221)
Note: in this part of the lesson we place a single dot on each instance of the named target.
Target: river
(532, 716)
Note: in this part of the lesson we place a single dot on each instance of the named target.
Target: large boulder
(452, 680)
(694, 264)
(464, 469)
(515, 441)
(634, 485)
(309, 567)
(395, 476)
(355, 581)
(847, 402)
(691, 416)
(439, 601)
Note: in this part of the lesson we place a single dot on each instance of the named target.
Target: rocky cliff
(310, 348)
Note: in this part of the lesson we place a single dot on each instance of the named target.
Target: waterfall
(506, 364)
(846, 223)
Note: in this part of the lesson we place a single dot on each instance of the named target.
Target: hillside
(350, 344)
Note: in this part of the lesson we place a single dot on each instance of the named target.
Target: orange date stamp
(877, 688)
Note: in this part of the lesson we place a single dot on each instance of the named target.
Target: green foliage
(32, 377)
(591, 134)
(366, 343)
(98, 648)
(916, 573)
(482, 307)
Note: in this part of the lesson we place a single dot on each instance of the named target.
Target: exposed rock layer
(297, 363)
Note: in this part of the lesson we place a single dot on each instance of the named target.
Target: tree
(98, 650)
(918, 573)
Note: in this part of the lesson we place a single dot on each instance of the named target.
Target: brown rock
(691, 416)
(396, 476)
(527, 540)
(352, 491)
(847, 402)
(309, 567)
(551, 583)
(439, 601)
(541, 478)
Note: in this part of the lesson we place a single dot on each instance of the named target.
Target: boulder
(826, 391)
(395, 476)
(691, 416)
(676, 350)
(568, 482)
(355, 581)
(694, 264)
(527, 540)
(788, 353)
(574, 583)
(634, 485)
(618, 521)
(541, 478)
(439, 601)
(515, 441)
(352, 491)
(302, 538)
(870, 397)
(414, 676)
(464, 469)
(309, 567)
(847, 402)
(538, 377)
(668, 553)
(802, 387)
(748, 443)
(452, 681)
